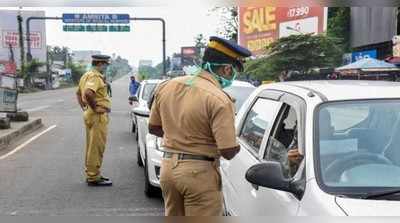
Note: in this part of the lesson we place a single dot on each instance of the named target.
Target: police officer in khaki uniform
(95, 102)
(196, 120)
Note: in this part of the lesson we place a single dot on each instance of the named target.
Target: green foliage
(339, 26)
(299, 53)
(118, 68)
(77, 70)
(229, 22)
(146, 72)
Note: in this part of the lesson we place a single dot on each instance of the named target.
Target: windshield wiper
(380, 194)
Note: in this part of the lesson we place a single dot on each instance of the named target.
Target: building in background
(260, 26)
(9, 35)
(84, 56)
(372, 30)
(147, 63)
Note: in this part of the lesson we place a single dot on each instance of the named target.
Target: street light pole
(21, 41)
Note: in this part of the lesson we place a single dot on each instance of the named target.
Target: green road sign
(95, 28)
(119, 28)
(74, 28)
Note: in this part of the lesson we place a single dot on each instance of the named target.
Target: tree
(339, 27)
(296, 53)
(200, 43)
(146, 72)
(77, 70)
(229, 22)
(32, 70)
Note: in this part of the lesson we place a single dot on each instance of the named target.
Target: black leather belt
(182, 156)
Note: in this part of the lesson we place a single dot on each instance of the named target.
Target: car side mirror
(133, 98)
(270, 175)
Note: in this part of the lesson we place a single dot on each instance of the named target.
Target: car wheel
(149, 190)
(133, 128)
(137, 134)
(138, 156)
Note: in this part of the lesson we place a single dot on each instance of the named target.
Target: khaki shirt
(196, 118)
(94, 81)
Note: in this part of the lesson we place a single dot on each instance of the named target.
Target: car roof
(333, 90)
(242, 84)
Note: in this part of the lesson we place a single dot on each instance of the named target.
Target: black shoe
(102, 182)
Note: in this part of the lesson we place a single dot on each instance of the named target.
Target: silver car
(316, 148)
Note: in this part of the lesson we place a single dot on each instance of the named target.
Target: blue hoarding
(363, 54)
(96, 18)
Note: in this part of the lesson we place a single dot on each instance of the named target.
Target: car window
(366, 154)
(147, 90)
(138, 91)
(348, 116)
(282, 139)
(240, 94)
(258, 120)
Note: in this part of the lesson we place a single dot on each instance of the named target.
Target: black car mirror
(270, 175)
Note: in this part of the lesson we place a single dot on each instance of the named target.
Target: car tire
(133, 127)
(138, 155)
(149, 190)
(137, 134)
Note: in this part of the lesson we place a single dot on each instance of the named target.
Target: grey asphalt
(46, 176)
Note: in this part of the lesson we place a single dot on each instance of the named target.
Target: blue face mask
(222, 81)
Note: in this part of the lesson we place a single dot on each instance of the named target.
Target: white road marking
(27, 142)
(37, 108)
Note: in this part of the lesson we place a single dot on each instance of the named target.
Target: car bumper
(154, 160)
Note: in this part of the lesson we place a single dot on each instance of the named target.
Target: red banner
(260, 26)
(7, 67)
(12, 37)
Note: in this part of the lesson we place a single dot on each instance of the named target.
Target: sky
(144, 41)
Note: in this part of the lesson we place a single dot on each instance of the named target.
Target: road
(46, 176)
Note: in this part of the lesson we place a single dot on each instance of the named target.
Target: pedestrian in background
(196, 120)
(93, 98)
(133, 86)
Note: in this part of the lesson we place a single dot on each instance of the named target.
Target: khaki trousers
(191, 187)
(96, 138)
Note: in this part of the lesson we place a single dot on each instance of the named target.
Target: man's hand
(229, 153)
(80, 101)
(100, 110)
(156, 130)
(294, 156)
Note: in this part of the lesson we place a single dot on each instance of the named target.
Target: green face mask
(222, 81)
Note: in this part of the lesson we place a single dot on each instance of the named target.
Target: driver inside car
(294, 155)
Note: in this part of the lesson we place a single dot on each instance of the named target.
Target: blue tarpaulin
(369, 64)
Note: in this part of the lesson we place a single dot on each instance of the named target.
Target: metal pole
(163, 39)
(28, 33)
(21, 42)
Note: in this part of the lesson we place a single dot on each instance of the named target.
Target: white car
(239, 91)
(141, 117)
(140, 101)
(349, 135)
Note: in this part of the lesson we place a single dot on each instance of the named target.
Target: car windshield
(358, 145)
(240, 94)
(148, 90)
